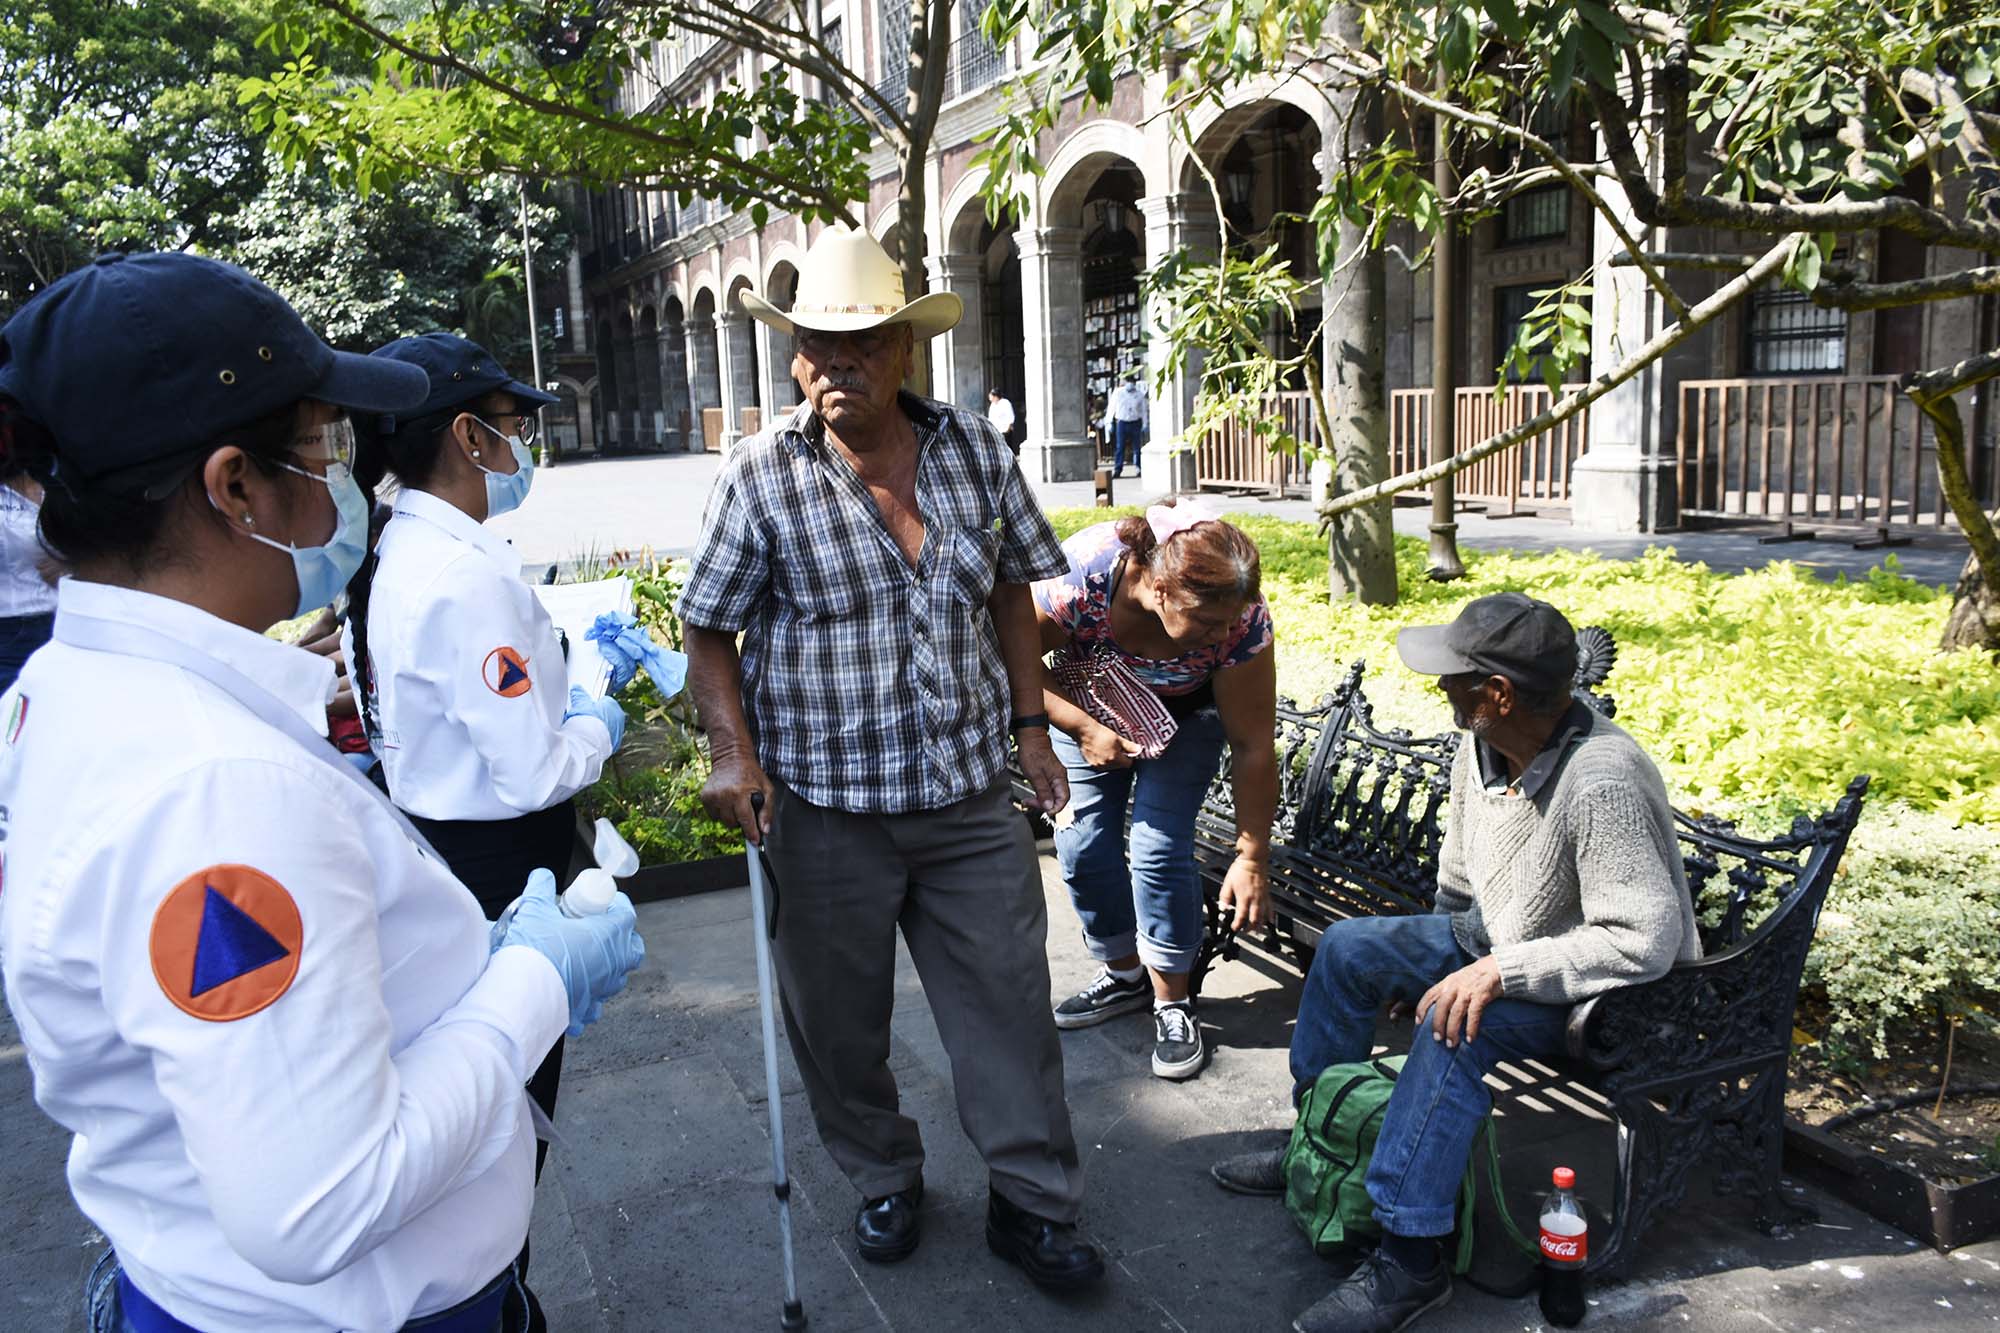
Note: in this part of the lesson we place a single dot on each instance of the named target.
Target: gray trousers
(962, 884)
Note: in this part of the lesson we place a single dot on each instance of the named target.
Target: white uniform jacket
(469, 676)
(271, 1021)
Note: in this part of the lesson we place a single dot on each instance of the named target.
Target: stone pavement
(656, 1214)
(594, 506)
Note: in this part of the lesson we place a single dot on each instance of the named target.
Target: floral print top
(1080, 602)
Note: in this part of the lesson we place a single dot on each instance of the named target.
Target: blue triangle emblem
(231, 945)
(511, 674)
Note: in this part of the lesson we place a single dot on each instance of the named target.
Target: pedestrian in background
(27, 595)
(290, 1049)
(1000, 412)
(1169, 602)
(874, 551)
(1126, 417)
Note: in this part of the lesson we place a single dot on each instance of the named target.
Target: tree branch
(1932, 392)
(1914, 291)
(563, 110)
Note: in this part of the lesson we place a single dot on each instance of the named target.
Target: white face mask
(506, 490)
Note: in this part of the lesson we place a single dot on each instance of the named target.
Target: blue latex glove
(605, 710)
(593, 953)
(627, 647)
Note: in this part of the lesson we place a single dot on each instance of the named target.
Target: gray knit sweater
(1577, 889)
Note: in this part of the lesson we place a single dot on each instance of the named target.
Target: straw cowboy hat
(847, 283)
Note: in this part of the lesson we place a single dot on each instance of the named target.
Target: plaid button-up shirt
(870, 685)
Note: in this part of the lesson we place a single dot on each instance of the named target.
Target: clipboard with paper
(575, 607)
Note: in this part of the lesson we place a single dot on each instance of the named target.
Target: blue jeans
(104, 1312)
(1125, 434)
(20, 636)
(1153, 907)
(1440, 1099)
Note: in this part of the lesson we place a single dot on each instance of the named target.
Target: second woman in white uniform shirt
(462, 681)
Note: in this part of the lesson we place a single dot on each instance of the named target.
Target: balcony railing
(1816, 449)
(975, 63)
(1534, 472)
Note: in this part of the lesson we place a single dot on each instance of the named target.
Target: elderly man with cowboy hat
(874, 550)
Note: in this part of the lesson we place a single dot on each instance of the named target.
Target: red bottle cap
(1565, 1178)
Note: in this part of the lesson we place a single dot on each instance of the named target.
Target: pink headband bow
(1167, 519)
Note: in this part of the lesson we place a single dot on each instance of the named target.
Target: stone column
(958, 365)
(704, 384)
(1624, 481)
(674, 387)
(579, 313)
(1172, 221)
(728, 396)
(741, 352)
(774, 354)
(1052, 320)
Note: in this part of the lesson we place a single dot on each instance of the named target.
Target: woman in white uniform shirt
(289, 1045)
(458, 670)
(27, 599)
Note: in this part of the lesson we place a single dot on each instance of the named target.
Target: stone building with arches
(1054, 314)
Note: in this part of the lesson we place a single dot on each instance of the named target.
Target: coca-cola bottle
(1565, 1246)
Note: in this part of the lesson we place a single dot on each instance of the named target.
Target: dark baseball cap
(136, 363)
(459, 371)
(1503, 634)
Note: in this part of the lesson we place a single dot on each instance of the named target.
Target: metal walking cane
(781, 1184)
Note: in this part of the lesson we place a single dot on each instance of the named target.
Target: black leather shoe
(1048, 1252)
(888, 1229)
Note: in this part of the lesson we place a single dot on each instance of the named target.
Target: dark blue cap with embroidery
(135, 363)
(460, 370)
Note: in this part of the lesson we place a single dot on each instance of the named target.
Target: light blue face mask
(506, 490)
(325, 569)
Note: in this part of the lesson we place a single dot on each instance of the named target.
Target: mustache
(849, 383)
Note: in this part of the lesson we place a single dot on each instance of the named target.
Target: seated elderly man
(1559, 878)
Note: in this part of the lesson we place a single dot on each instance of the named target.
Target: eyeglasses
(867, 343)
(524, 426)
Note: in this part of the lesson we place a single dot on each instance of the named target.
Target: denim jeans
(105, 1313)
(1440, 1099)
(1153, 906)
(1125, 434)
(19, 637)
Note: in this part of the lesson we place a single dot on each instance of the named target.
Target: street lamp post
(548, 449)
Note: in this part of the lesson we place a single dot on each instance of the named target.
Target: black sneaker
(1106, 997)
(1177, 1047)
(1381, 1296)
(1260, 1174)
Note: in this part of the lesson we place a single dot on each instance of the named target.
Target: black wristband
(1031, 720)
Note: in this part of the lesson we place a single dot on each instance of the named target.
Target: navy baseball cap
(460, 370)
(1503, 634)
(136, 363)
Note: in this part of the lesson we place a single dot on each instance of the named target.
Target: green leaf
(1506, 16)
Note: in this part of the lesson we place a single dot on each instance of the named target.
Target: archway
(780, 290)
(740, 359)
(682, 429)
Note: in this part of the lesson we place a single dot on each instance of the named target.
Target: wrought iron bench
(1692, 1065)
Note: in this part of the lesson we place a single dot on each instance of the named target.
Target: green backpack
(1326, 1162)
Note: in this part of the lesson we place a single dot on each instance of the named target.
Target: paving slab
(656, 1211)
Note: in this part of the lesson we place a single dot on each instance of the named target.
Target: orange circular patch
(506, 673)
(226, 943)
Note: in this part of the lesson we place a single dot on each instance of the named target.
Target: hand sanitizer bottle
(591, 891)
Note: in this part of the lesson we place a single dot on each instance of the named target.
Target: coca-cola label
(1565, 1249)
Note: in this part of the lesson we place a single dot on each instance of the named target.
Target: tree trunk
(1974, 617)
(930, 58)
(1361, 544)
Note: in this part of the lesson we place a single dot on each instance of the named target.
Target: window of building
(1510, 308)
(893, 40)
(975, 62)
(1537, 215)
(561, 321)
(1789, 335)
